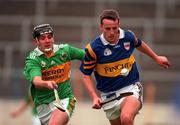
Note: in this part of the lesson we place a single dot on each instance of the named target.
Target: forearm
(23, 106)
(161, 60)
(144, 48)
(20, 109)
(39, 83)
(90, 86)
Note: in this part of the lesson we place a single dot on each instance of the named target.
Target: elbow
(85, 76)
(37, 81)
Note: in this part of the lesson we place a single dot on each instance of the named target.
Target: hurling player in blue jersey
(106, 56)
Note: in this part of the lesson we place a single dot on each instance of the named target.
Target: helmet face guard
(41, 29)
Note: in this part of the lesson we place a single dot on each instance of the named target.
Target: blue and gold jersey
(107, 61)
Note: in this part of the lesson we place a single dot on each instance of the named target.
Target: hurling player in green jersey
(47, 68)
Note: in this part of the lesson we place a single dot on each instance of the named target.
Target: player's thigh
(130, 107)
(58, 118)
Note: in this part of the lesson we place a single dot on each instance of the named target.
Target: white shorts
(36, 120)
(112, 109)
(45, 110)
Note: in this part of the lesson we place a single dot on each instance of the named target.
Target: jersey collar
(105, 42)
(39, 52)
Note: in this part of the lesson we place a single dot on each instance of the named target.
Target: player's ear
(34, 41)
(101, 27)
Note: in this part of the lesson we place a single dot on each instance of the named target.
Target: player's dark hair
(109, 14)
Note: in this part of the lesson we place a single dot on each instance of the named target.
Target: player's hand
(163, 62)
(14, 114)
(51, 85)
(97, 103)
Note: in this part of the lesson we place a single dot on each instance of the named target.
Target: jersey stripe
(114, 69)
(91, 52)
(59, 73)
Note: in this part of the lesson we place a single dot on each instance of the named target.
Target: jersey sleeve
(137, 41)
(76, 53)
(32, 68)
(89, 62)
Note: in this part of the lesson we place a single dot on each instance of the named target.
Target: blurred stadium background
(76, 22)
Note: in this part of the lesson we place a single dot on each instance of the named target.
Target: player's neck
(49, 53)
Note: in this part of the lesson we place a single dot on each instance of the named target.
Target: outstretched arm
(20, 109)
(161, 60)
(88, 82)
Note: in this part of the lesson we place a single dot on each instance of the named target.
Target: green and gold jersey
(54, 67)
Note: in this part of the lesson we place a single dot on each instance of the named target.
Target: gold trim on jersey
(58, 73)
(85, 62)
(91, 52)
(114, 69)
(71, 105)
(89, 67)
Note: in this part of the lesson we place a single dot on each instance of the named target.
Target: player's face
(110, 29)
(45, 42)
